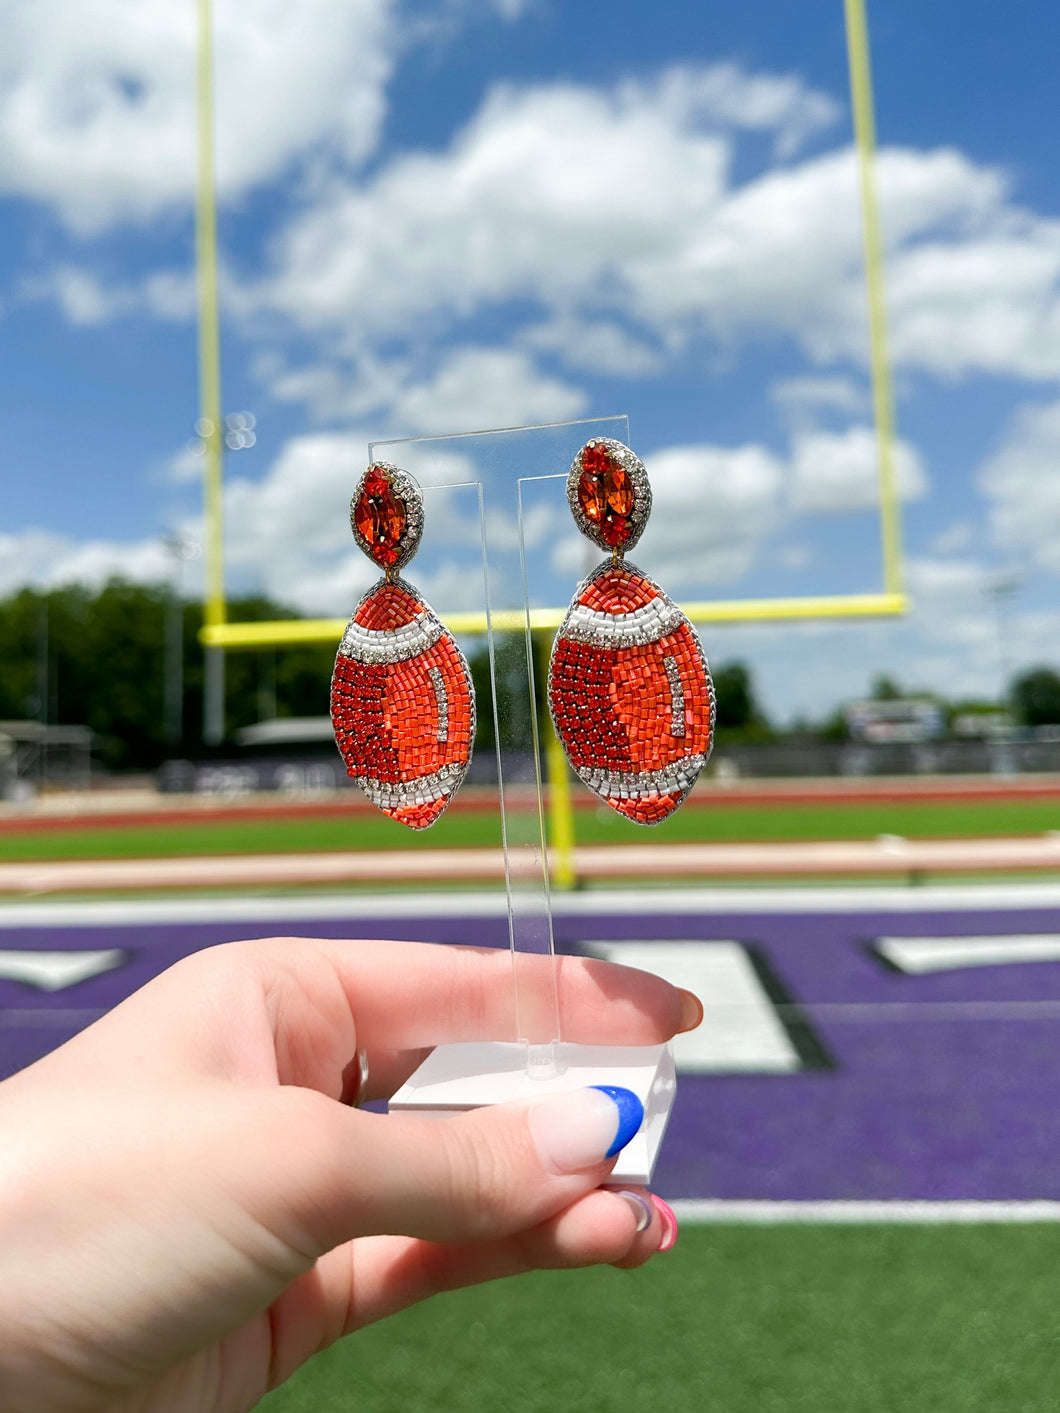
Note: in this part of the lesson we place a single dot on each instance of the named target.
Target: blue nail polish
(630, 1114)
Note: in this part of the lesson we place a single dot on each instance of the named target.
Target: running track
(899, 1086)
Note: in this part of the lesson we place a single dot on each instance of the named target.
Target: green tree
(513, 691)
(1035, 697)
(885, 689)
(734, 694)
(740, 718)
(97, 658)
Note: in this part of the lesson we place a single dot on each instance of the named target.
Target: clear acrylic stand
(499, 497)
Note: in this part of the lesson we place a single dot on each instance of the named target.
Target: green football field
(363, 830)
(736, 1319)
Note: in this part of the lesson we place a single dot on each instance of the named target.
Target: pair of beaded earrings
(629, 689)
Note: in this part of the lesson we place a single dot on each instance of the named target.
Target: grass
(695, 822)
(943, 1319)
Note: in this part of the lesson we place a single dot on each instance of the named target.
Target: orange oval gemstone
(605, 494)
(380, 518)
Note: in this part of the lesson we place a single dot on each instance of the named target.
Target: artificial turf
(736, 1319)
(730, 823)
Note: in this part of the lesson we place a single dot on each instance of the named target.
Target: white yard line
(968, 897)
(921, 955)
(695, 1212)
(742, 1031)
(55, 971)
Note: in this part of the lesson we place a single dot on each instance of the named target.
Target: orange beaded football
(630, 694)
(402, 705)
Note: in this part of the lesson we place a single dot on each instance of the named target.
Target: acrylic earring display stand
(497, 501)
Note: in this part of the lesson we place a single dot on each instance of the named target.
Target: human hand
(188, 1211)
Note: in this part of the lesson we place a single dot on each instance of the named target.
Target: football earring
(628, 686)
(402, 704)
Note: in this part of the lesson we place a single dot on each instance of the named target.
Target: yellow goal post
(220, 634)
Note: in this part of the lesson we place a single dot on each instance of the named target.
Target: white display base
(456, 1078)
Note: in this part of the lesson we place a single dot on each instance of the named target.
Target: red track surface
(92, 811)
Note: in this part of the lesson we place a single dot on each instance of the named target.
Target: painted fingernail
(578, 1130)
(630, 1115)
(691, 1011)
(639, 1206)
(669, 1223)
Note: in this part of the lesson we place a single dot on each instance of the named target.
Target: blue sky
(436, 217)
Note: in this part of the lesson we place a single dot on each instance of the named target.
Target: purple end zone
(913, 1107)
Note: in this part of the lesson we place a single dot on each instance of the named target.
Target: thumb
(473, 1177)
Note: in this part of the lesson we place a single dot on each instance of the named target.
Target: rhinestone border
(376, 645)
(604, 631)
(443, 783)
(634, 468)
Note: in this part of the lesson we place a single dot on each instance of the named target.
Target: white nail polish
(573, 1132)
(638, 1205)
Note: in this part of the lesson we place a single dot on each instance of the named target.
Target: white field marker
(919, 955)
(54, 971)
(741, 1032)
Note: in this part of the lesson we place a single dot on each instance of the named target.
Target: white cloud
(947, 579)
(717, 511)
(469, 388)
(185, 466)
(484, 387)
(511, 9)
(1021, 481)
(802, 397)
(714, 509)
(990, 303)
(736, 496)
(947, 643)
(86, 300)
(594, 345)
(79, 294)
(47, 560)
(532, 199)
(836, 472)
(615, 209)
(729, 96)
(326, 391)
(300, 508)
(953, 633)
(610, 212)
(288, 534)
(953, 539)
(97, 97)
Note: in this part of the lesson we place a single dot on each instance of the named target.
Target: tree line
(98, 658)
(107, 658)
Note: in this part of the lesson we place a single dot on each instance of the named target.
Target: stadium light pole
(182, 548)
(43, 701)
(210, 425)
(1001, 590)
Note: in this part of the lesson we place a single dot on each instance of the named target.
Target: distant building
(33, 755)
(294, 755)
(905, 720)
(982, 725)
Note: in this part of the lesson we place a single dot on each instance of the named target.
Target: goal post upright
(879, 362)
(210, 424)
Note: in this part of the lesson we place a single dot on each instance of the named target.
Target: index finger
(302, 1007)
(408, 995)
